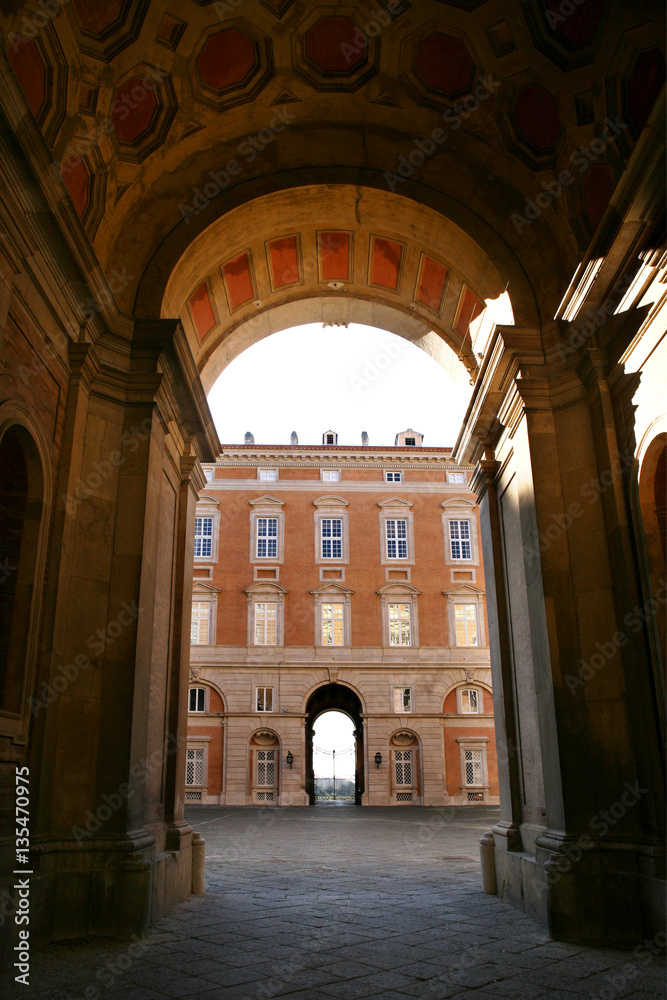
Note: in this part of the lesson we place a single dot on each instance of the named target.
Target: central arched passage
(335, 697)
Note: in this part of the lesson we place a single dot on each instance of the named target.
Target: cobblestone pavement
(342, 904)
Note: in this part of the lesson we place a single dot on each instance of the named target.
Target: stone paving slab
(344, 904)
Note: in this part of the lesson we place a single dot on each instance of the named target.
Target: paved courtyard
(340, 903)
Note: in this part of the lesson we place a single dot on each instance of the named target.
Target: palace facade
(335, 577)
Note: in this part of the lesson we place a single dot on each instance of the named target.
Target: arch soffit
(322, 684)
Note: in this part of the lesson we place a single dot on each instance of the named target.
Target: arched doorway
(339, 698)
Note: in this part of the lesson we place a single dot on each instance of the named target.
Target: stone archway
(342, 699)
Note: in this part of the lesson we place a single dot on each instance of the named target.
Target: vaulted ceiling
(228, 157)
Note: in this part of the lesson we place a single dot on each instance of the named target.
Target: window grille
(399, 625)
(403, 767)
(267, 537)
(459, 539)
(402, 700)
(470, 701)
(266, 767)
(404, 796)
(264, 699)
(203, 537)
(264, 796)
(332, 537)
(194, 767)
(200, 623)
(193, 796)
(266, 620)
(473, 767)
(397, 539)
(197, 700)
(465, 618)
(475, 796)
(332, 624)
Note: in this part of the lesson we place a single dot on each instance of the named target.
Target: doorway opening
(334, 758)
(334, 746)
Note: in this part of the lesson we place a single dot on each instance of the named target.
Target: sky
(311, 379)
(333, 731)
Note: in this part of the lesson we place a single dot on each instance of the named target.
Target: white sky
(312, 379)
(333, 731)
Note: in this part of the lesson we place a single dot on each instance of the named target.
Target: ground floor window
(195, 760)
(265, 776)
(473, 773)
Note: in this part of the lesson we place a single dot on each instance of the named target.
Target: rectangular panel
(431, 284)
(386, 260)
(239, 281)
(469, 309)
(335, 256)
(284, 261)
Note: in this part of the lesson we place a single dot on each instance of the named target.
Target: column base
(612, 893)
(111, 888)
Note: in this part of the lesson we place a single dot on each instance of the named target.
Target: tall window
(332, 625)
(203, 537)
(264, 699)
(266, 768)
(399, 625)
(465, 618)
(267, 537)
(397, 539)
(332, 537)
(200, 623)
(197, 700)
(403, 767)
(473, 771)
(470, 701)
(459, 539)
(266, 619)
(402, 700)
(194, 767)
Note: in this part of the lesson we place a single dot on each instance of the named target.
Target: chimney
(249, 439)
(364, 438)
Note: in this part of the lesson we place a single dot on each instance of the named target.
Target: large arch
(536, 165)
(342, 698)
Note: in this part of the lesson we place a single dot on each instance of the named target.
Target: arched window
(21, 513)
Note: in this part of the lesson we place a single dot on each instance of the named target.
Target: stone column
(111, 849)
(561, 580)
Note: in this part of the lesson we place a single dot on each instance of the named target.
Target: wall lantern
(290, 759)
(378, 759)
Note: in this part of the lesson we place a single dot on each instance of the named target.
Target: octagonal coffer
(231, 64)
(142, 109)
(335, 48)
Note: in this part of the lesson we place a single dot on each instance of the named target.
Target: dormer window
(329, 437)
(411, 441)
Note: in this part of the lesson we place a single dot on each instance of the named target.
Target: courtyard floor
(341, 903)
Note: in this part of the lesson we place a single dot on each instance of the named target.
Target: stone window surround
(402, 687)
(270, 479)
(465, 593)
(325, 507)
(267, 506)
(336, 480)
(474, 743)
(200, 687)
(395, 508)
(459, 509)
(264, 711)
(209, 507)
(332, 592)
(200, 743)
(399, 593)
(266, 591)
(203, 593)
